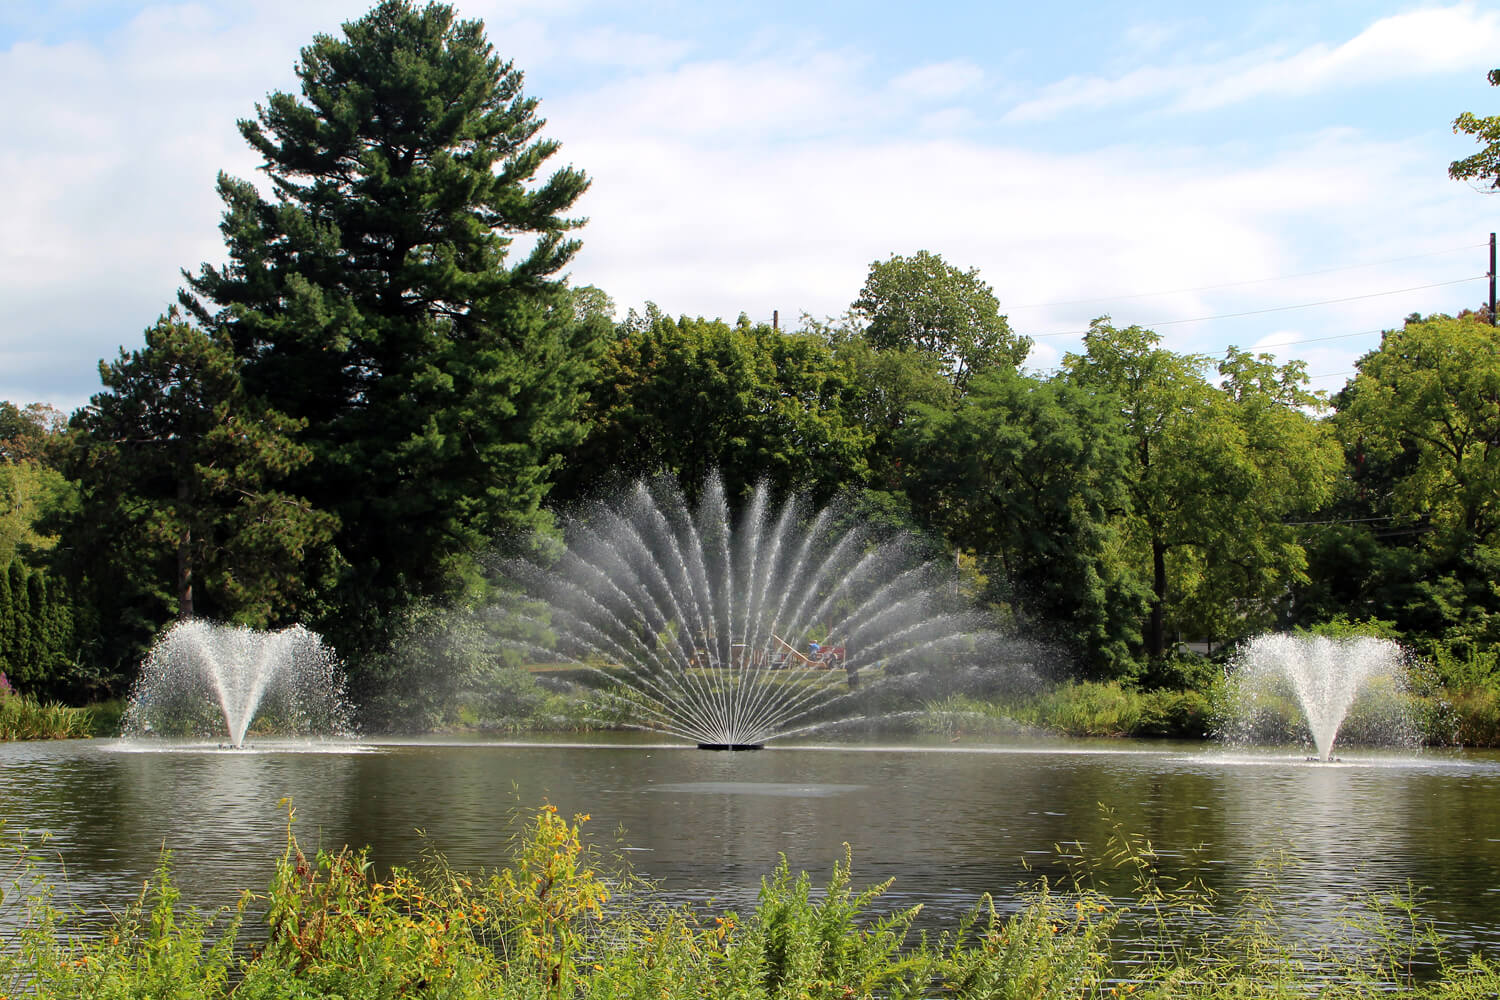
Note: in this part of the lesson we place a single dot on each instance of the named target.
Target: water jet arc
(1323, 676)
(206, 679)
(691, 617)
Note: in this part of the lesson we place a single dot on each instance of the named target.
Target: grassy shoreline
(1106, 709)
(1468, 717)
(25, 718)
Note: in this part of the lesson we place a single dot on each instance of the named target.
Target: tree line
(391, 380)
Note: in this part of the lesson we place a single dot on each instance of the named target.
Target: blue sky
(1189, 167)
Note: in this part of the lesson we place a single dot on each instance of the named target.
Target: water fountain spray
(205, 679)
(1325, 675)
(729, 630)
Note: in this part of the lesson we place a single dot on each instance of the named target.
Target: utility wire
(1319, 340)
(1251, 281)
(1271, 309)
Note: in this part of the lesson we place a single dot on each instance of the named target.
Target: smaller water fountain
(203, 679)
(1324, 676)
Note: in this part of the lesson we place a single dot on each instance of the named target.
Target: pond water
(946, 821)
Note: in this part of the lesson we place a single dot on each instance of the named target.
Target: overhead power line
(1251, 281)
(1319, 340)
(1271, 309)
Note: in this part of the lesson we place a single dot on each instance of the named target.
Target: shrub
(1180, 672)
(1476, 717)
(1175, 714)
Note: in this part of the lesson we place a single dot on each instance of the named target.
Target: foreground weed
(548, 902)
(335, 930)
(156, 947)
(1054, 947)
(555, 925)
(793, 946)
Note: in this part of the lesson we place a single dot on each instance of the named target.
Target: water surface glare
(946, 821)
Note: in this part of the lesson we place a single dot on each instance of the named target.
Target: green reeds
(25, 718)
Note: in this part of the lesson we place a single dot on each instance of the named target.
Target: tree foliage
(1029, 475)
(925, 304)
(1485, 164)
(372, 299)
(693, 396)
(1430, 399)
(181, 465)
(1421, 423)
(38, 645)
(389, 374)
(1213, 473)
(33, 492)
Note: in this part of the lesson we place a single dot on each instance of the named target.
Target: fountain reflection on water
(1325, 676)
(204, 679)
(703, 623)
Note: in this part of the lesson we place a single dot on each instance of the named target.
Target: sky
(1271, 176)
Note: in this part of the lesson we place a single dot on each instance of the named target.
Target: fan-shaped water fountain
(1325, 676)
(211, 680)
(729, 631)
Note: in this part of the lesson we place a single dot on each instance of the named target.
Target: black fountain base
(731, 746)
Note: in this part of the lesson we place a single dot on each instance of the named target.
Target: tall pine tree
(371, 295)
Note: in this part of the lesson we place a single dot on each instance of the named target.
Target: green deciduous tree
(925, 304)
(1030, 475)
(1485, 164)
(693, 396)
(1431, 396)
(1421, 421)
(27, 432)
(372, 297)
(33, 492)
(1283, 463)
(1213, 474)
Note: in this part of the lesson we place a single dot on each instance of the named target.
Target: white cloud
(608, 46)
(946, 121)
(716, 231)
(1420, 43)
(1423, 42)
(939, 81)
(108, 181)
(759, 181)
(1100, 92)
(714, 100)
(1148, 37)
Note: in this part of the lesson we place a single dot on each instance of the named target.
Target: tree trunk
(184, 556)
(1156, 632)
